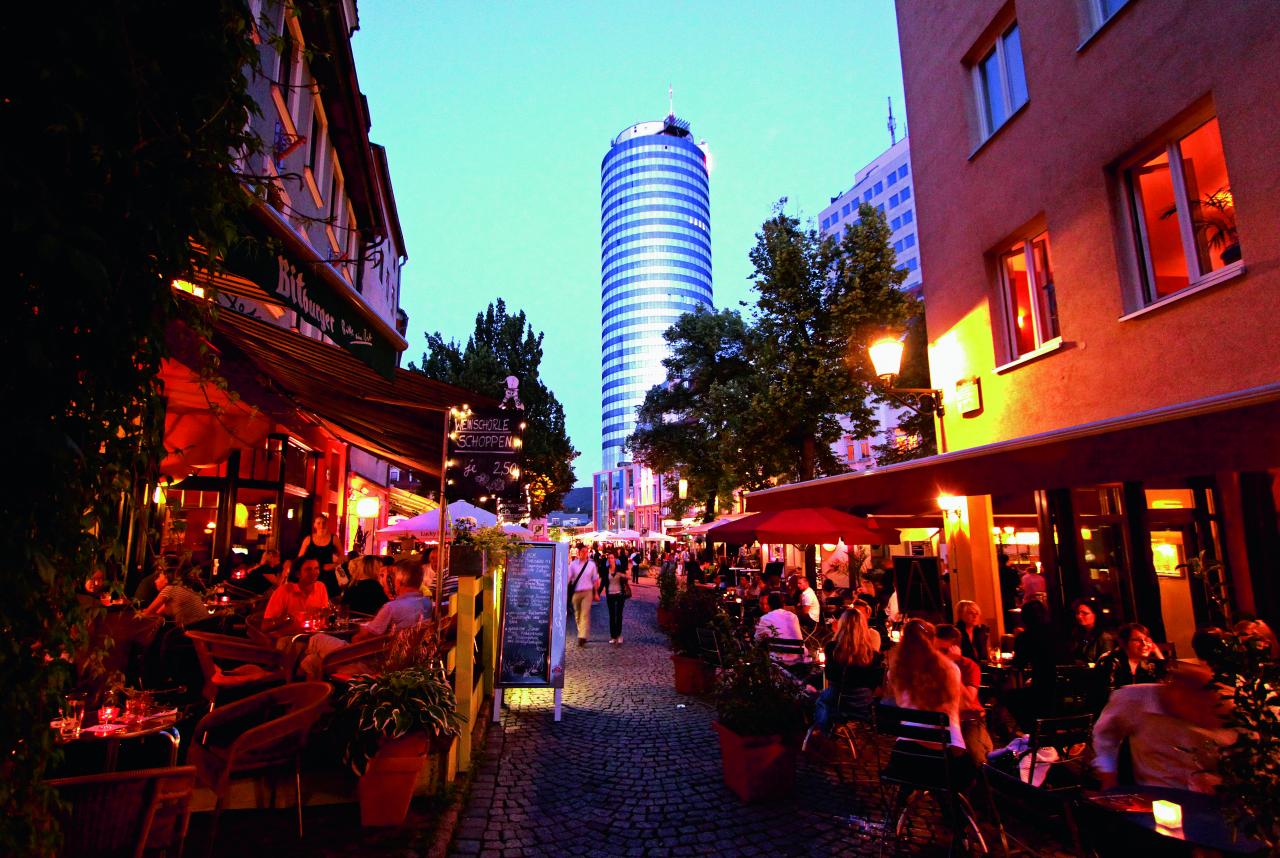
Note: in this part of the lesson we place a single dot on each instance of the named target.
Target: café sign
(485, 454)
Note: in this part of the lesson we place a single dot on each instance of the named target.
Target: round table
(165, 725)
(1204, 825)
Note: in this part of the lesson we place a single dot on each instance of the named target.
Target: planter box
(692, 676)
(387, 784)
(465, 560)
(758, 767)
(666, 619)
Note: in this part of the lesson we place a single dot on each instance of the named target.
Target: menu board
(534, 604)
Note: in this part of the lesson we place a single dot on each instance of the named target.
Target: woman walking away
(855, 669)
(617, 591)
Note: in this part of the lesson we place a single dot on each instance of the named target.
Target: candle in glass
(1167, 813)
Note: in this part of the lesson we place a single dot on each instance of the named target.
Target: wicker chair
(257, 666)
(259, 733)
(342, 664)
(126, 813)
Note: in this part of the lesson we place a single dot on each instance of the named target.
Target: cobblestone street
(633, 769)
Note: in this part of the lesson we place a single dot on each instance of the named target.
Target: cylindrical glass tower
(655, 262)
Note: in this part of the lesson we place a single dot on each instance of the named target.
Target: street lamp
(886, 359)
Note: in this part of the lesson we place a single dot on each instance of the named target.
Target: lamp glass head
(886, 357)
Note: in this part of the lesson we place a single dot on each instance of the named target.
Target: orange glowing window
(1029, 300)
(1184, 213)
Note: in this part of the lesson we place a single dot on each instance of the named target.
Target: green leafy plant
(693, 610)
(494, 542)
(1214, 217)
(756, 697)
(1250, 766)
(396, 704)
(668, 587)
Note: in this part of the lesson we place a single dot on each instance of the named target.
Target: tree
(821, 303)
(503, 345)
(119, 153)
(681, 424)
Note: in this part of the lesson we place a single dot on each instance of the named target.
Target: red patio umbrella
(803, 526)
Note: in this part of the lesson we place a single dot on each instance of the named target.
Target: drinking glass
(72, 716)
(344, 616)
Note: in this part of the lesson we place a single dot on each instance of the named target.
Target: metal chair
(709, 648)
(257, 734)
(126, 813)
(1069, 736)
(922, 764)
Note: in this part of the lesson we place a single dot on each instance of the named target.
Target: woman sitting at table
(177, 600)
(855, 669)
(975, 638)
(1089, 641)
(1135, 661)
(920, 677)
(366, 593)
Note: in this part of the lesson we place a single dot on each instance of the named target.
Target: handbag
(626, 588)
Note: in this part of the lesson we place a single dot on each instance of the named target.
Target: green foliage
(668, 586)
(693, 610)
(681, 425)
(394, 704)
(502, 345)
(1250, 766)
(495, 542)
(123, 126)
(756, 697)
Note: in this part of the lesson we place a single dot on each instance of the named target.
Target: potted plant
(694, 610)
(668, 587)
(1214, 217)
(472, 544)
(760, 715)
(396, 718)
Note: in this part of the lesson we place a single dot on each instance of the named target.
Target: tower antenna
(892, 124)
(671, 100)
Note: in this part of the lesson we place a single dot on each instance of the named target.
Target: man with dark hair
(973, 726)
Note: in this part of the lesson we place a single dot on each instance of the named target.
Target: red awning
(1233, 432)
(202, 424)
(803, 526)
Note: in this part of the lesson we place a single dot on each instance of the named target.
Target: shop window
(1000, 81)
(1029, 299)
(1184, 214)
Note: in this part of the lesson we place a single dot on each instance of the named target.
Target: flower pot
(465, 560)
(666, 619)
(758, 767)
(692, 676)
(388, 781)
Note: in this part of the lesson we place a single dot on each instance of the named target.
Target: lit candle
(224, 598)
(108, 714)
(1167, 813)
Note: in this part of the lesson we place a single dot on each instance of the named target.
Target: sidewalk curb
(447, 825)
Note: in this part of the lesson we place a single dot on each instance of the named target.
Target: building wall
(655, 262)
(1056, 165)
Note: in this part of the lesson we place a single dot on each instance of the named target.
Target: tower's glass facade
(655, 262)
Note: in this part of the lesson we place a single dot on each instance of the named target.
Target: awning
(400, 419)
(1239, 431)
(803, 526)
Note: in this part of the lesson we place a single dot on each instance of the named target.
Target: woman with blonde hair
(366, 595)
(855, 669)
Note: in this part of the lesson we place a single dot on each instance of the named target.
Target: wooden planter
(666, 619)
(387, 784)
(757, 768)
(465, 560)
(692, 675)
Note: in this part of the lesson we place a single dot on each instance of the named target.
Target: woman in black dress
(323, 547)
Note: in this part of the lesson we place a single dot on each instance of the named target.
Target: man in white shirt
(807, 600)
(584, 586)
(1174, 730)
(778, 622)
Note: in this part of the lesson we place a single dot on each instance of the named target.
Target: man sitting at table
(295, 601)
(1174, 730)
(264, 576)
(780, 623)
(407, 609)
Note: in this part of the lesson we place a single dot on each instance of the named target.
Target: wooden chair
(126, 813)
(924, 769)
(256, 666)
(361, 657)
(1069, 736)
(253, 735)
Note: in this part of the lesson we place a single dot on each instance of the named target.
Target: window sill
(1222, 275)
(1104, 26)
(1054, 345)
(994, 134)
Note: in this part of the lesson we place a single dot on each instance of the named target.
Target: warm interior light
(886, 357)
(367, 507)
(995, 531)
(189, 287)
(1086, 534)
(950, 503)
(157, 497)
(1008, 528)
(242, 515)
(684, 489)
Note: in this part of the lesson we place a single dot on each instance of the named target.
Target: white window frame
(1186, 230)
(1100, 17)
(1039, 324)
(1006, 92)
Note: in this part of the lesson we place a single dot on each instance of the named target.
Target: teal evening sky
(496, 116)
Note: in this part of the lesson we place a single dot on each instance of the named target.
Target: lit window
(1030, 302)
(1000, 81)
(1184, 213)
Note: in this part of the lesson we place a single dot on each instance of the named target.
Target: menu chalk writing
(525, 654)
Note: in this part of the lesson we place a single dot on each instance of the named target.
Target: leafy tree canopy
(503, 344)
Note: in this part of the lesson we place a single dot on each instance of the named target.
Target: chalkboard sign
(531, 640)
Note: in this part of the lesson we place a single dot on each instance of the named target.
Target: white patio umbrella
(659, 537)
(516, 530)
(427, 525)
(596, 536)
(628, 533)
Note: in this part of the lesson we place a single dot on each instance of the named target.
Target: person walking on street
(584, 589)
(636, 557)
(617, 590)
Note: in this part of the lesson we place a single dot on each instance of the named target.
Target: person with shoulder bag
(617, 591)
(584, 590)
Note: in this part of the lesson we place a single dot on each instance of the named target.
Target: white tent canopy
(427, 525)
(659, 537)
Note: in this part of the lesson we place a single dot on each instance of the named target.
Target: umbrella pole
(442, 548)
